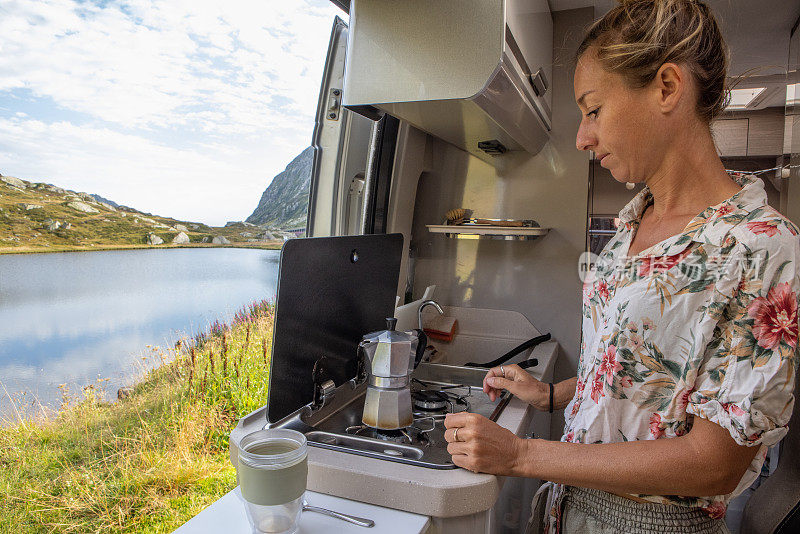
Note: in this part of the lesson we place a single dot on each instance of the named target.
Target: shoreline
(46, 250)
(151, 459)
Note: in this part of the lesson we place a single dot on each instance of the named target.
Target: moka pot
(391, 356)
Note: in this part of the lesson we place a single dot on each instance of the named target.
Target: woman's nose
(584, 140)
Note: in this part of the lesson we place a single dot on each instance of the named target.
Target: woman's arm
(563, 392)
(520, 383)
(706, 461)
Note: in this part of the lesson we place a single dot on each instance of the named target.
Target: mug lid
(273, 436)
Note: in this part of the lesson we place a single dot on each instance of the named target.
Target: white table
(227, 515)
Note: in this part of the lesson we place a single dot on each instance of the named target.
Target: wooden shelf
(479, 231)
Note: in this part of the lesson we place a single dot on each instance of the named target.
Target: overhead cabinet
(475, 73)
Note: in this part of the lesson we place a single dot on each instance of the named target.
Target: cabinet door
(341, 143)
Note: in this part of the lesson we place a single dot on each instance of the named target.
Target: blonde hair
(637, 37)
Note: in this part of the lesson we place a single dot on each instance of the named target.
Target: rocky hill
(38, 216)
(284, 204)
(105, 200)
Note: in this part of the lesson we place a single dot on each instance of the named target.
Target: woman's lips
(601, 158)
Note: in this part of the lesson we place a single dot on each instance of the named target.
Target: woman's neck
(690, 178)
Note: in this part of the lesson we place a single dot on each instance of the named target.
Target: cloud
(148, 86)
(211, 183)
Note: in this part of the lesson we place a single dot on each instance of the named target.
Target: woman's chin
(622, 176)
(619, 177)
(614, 172)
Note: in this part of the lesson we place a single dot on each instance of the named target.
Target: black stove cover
(331, 292)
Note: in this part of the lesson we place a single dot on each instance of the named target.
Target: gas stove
(436, 390)
(430, 404)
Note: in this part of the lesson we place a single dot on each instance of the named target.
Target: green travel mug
(273, 468)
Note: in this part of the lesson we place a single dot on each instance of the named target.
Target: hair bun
(638, 36)
(668, 2)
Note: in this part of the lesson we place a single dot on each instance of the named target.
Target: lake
(74, 318)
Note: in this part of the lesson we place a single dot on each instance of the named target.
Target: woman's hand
(480, 445)
(518, 382)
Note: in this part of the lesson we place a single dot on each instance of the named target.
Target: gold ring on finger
(455, 434)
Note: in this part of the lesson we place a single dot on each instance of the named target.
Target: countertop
(228, 515)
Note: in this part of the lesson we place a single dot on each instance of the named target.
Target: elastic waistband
(625, 515)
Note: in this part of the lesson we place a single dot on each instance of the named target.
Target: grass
(150, 461)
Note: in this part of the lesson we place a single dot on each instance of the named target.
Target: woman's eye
(593, 112)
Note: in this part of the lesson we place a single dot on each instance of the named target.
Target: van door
(341, 144)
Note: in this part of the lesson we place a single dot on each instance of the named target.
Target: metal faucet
(423, 305)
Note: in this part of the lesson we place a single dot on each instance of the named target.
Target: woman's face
(620, 124)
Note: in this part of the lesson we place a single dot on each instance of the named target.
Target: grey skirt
(592, 511)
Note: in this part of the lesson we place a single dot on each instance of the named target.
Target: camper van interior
(434, 111)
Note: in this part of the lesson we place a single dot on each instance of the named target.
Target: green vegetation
(150, 461)
(34, 218)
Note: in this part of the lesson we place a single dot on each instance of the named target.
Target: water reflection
(73, 318)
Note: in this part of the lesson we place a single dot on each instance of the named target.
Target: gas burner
(429, 399)
(398, 436)
(435, 403)
(416, 434)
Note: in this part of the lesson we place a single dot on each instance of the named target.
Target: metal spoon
(360, 521)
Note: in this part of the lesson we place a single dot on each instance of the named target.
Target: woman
(690, 318)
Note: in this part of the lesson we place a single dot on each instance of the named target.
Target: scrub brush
(458, 216)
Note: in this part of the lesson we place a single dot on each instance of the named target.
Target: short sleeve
(746, 380)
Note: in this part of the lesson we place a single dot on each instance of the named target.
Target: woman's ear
(669, 84)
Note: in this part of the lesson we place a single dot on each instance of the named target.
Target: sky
(181, 108)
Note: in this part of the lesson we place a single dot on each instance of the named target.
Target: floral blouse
(702, 324)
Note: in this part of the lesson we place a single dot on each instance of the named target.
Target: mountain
(104, 200)
(284, 204)
(37, 216)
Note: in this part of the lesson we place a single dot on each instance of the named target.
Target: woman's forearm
(675, 466)
(563, 392)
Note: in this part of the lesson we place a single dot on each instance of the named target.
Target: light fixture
(741, 98)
